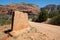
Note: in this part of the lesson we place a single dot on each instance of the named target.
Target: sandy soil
(36, 31)
(51, 31)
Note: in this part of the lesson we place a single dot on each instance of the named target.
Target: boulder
(20, 20)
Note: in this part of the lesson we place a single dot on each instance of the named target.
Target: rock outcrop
(28, 8)
(51, 7)
(20, 20)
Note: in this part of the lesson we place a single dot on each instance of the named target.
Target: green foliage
(55, 20)
(54, 13)
(42, 16)
(35, 17)
(5, 19)
(30, 16)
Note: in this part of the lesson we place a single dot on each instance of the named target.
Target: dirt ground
(35, 31)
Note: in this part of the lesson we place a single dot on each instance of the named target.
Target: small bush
(30, 16)
(42, 16)
(55, 20)
(5, 19)
(35, 17)
(54, 13)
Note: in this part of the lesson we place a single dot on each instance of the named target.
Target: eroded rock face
(20, 20)
(51, 7)
(30, 8)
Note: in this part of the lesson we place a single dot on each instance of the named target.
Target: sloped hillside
(29, 8)
(51, 7)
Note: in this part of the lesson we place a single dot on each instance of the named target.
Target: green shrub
(53, 13)
(35, 17)
(42, 16)
(4, 19)
(30, 16)
(55, 20)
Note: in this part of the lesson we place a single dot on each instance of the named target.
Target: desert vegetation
(37, 29)
(40, 17)
(36, 14)
(43, 16)
(55, 20)
(54, 13)
(5, 19)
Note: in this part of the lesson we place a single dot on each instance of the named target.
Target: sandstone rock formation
(20, 20)
(30, 8)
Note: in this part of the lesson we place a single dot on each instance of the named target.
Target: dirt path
(51, 31)
(37, 31)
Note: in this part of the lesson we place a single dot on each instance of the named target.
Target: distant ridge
(29, 8)
(51, 7)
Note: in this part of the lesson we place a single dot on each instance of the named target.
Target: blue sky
(40, 3)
